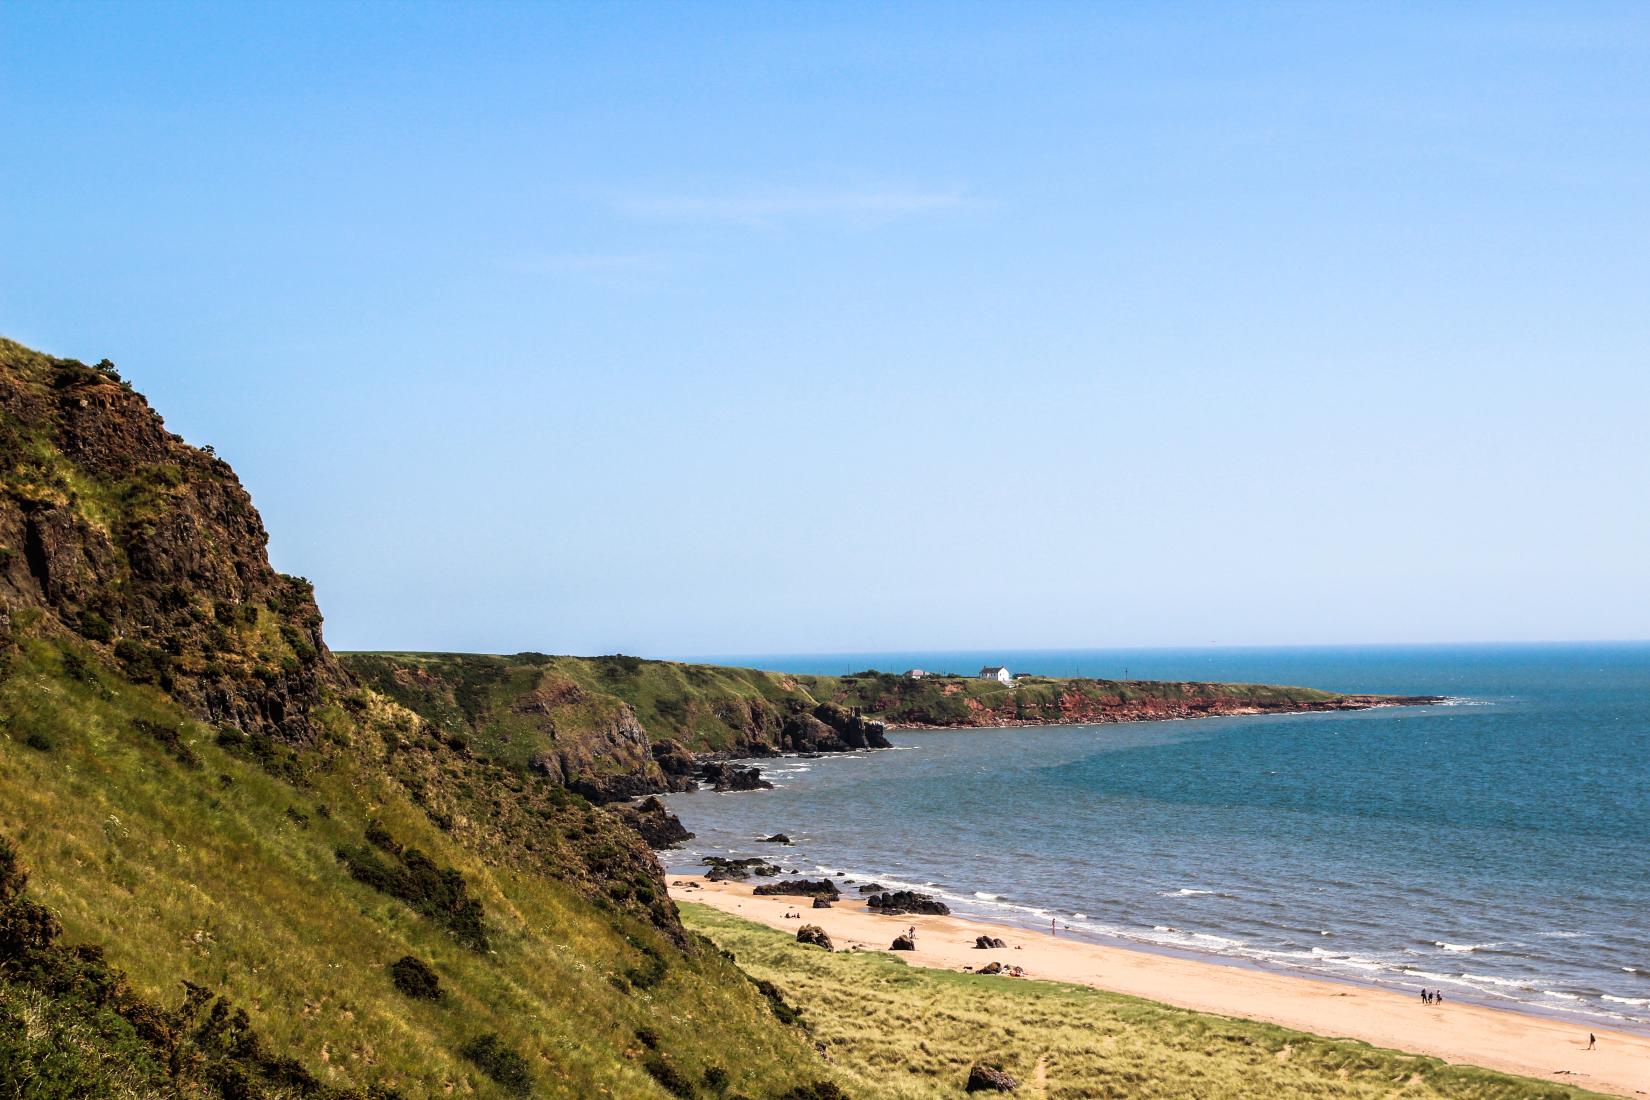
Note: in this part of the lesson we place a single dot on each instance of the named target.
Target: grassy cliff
(229, 870)
(515, 707)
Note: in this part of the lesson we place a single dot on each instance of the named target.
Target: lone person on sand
(1592, 1040)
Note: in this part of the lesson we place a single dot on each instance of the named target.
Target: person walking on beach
(1051, 930)
(911, 932)
(1424, 998)
(1592, 1040)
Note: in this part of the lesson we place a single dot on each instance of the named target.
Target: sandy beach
(1528, 1045)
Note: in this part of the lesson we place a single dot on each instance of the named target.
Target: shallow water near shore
(1497, 847)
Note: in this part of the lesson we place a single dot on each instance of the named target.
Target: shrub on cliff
(437, 892)
(416, 978)
(505, 1066)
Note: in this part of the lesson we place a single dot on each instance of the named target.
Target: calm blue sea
(1497, 847)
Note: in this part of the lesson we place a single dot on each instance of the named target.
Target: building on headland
(914, 674)
(997, 673)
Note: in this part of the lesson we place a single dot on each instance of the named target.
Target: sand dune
(1512, 1042)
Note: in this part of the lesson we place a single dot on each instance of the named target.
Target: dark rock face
(149, 550)
(986, 943)
(984, 1078)
(777, 838)
(800, 887)
(822, 903)
(658, 826)
(723, 776)
(610, 761)
(676, 764)
(903, 942)
(831, 728)
(990, 968)
(814, 934)
(907, 901)
(873, 888)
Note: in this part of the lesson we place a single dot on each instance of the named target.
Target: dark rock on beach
(990, 968)
(907, 901)
(984, 943)
(723, 869)
(988, 1078)
(777, 838)
(814, 934)
(872, 888)
(799, 887)
(903, 942)
(822, 903)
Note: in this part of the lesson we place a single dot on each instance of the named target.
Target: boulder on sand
(984, 943)
(903, 942)
(988, 1078)
(990, 968)
(822, 903)
(723, 869)
(814, 934)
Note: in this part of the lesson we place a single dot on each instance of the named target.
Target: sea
(1495, 847)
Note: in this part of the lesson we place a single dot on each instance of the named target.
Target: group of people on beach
(1432, 997)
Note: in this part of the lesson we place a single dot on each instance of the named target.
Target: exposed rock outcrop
(658, 826)
(829, 727)
(723, 869)
(986, 943)
(609, 759)
(988, 1078)
(815, 935)
(800, 887)
(149, 550)
(907, 901)
(902, 942)
(723, 776)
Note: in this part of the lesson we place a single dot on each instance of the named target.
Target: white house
(997, 673)
(914, 674)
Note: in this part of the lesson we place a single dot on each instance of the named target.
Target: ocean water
(1496, 847)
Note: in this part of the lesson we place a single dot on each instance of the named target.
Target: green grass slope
(713, 708)
(905, 1033)
(282, 881)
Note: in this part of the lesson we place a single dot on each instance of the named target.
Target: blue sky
(686, 329)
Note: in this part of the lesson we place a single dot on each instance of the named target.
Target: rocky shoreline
(990, 720)
(688, 771)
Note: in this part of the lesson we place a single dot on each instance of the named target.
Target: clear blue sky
(681, 329)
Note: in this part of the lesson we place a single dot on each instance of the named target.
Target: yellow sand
(1512, 1042)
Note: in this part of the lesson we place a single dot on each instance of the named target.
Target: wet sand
(1513, 1042)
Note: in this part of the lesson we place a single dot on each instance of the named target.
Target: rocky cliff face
(114, 530)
